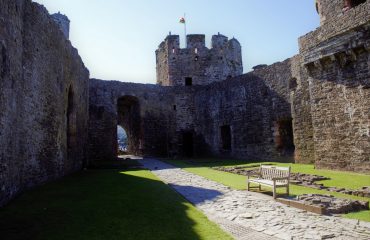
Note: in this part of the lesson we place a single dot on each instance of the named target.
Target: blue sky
(117, 38)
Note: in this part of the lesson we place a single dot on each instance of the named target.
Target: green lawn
(338, 179)
(105, 204)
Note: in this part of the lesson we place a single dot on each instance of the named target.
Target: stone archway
(129, 118)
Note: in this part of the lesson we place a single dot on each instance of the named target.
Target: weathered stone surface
(43, 100)
(252, 105)
(196, 61)
(333, 205)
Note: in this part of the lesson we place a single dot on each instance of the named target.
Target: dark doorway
(284, 137)
(355, 3)
(187, 139)
(226, 137)
(188, 81)
(71, 124)
(129, 119)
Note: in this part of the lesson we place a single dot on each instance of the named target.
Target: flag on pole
(182, 20)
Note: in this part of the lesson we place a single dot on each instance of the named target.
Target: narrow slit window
(226, 137)
(188, 81)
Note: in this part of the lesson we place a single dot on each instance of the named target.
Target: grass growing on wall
(105, 204)
(338, 179)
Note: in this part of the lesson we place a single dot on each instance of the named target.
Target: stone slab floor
(250, 215)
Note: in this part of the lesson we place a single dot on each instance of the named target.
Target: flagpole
(186, 42)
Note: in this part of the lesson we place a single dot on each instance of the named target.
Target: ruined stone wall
(155, 119)
(42, 78)
(301, 113)
(250, 105)
(336, 58)
(202, 65)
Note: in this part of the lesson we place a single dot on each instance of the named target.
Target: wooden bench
(271, 176)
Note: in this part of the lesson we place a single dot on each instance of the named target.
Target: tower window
(196, 58)
(173, 50)
(188, 81)
(196, 50)
(355, 3)
(352, 3)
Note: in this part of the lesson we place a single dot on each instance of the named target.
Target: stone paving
(251, 215)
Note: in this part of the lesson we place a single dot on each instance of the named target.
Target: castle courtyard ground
(166, 200)
(250, 215)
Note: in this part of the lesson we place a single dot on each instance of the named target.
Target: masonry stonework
(311, 108)
(196, 64)
(43, 100)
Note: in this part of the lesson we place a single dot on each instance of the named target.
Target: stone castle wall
(252, 105)
(150, 128)
(314, 105)
(43, 100)
(202, 65)
(335, 59)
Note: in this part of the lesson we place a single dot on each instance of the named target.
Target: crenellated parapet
(196, 64)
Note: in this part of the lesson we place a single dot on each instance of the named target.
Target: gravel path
(250, 215)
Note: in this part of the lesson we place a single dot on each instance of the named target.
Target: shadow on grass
(104, 204)
(197, 195)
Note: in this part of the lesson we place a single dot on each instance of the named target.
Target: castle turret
(63, 22)
(196, 64)
(219, 41)
(196, 41)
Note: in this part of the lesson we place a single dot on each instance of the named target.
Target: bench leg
(287, 190)
(259, 187)
(248, 184)
(274, 190)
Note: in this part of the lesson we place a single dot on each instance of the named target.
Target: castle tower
(196, 64)
(63, 22)
(331, 9)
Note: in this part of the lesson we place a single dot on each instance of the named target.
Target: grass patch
(105, 204)
(338, 179)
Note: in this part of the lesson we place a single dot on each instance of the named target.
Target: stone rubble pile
(333, 205)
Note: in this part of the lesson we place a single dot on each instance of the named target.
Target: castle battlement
(63, 22)
(196, 64)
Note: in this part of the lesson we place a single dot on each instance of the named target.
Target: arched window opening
(355, 3)
(348, 4)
